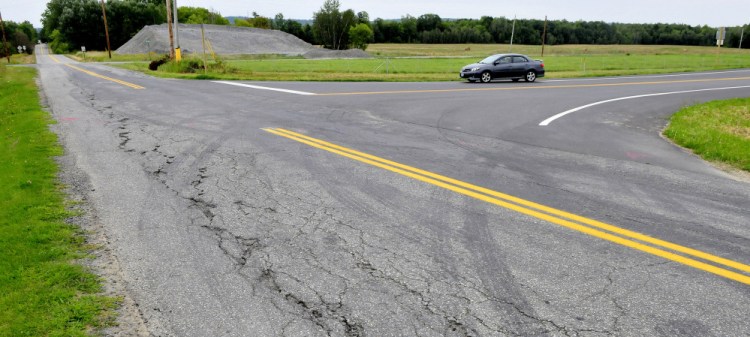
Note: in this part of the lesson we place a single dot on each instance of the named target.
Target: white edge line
(551, 119)
(645, 76)
(266, 88)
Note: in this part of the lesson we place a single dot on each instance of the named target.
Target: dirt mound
(227, 40)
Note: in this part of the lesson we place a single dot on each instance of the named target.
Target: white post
(741, 36)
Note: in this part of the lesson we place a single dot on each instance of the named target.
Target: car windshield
(489, 60)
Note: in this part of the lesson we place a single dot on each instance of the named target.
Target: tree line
(430, 28)
(18, 34)
(70, 24)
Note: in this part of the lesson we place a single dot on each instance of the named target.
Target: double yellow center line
(721, 266)
(127, 84)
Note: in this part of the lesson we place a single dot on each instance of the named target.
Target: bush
(360, 36)
(154, 65)
(57, 45)
(190, 66)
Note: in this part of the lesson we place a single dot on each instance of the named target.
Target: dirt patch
(320, 53)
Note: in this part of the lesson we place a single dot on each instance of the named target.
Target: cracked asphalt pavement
(224, 229)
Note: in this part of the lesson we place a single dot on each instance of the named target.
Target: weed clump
(154, 65)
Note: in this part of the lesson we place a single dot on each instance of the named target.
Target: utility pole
(544, 35)
(512, 32)
(5, 43)
(169, 27)
(203, 41)
(741, 36)
(106, 30)
(177, 51)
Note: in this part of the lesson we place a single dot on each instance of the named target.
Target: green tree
(387, 31)
(331, 26)
(256, 21)
(18, 34)
(242, 23)
(363, 17)
(429, 22)
(360, 36)
(198, 15)
(79, 22)
(57, 44)
(409, 29)
(279, 23)
(29, 30)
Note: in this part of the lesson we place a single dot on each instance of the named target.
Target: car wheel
(486, 77)
(530, 76)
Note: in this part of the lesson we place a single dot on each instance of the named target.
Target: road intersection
(419, 209)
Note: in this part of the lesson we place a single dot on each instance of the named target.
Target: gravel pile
(227, 40)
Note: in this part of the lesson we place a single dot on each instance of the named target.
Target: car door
(503, 67)
(519, 66)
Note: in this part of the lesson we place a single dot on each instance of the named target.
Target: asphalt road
(457, 215)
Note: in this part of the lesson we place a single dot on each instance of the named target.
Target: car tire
(530, 76)
(486, 77)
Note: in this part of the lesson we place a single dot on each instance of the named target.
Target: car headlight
(475, 69)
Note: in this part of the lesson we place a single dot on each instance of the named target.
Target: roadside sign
(721, 34)
(83, 49)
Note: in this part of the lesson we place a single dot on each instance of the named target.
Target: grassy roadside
(421, 62)
(20, 59)
(718, 131)
(43, 291)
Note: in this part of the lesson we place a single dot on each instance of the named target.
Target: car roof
(501, 55)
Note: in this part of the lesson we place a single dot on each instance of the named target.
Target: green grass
(718, 131)
(103, 56)
(425, 62)
(482, 50)
(43, 291)
(19, 59)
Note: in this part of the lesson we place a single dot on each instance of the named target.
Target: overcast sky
(693, 12)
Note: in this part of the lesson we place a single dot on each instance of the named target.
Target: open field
(43, 291)
(416, 62)
(481, 50)
(718, 131)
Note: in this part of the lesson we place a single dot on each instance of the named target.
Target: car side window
(519, 59)
(505, 60)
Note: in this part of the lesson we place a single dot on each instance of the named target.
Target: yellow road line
(531, 87)
(531, 204)
(128, 84)
(494, 197)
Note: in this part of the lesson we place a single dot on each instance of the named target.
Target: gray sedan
(512, 66)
